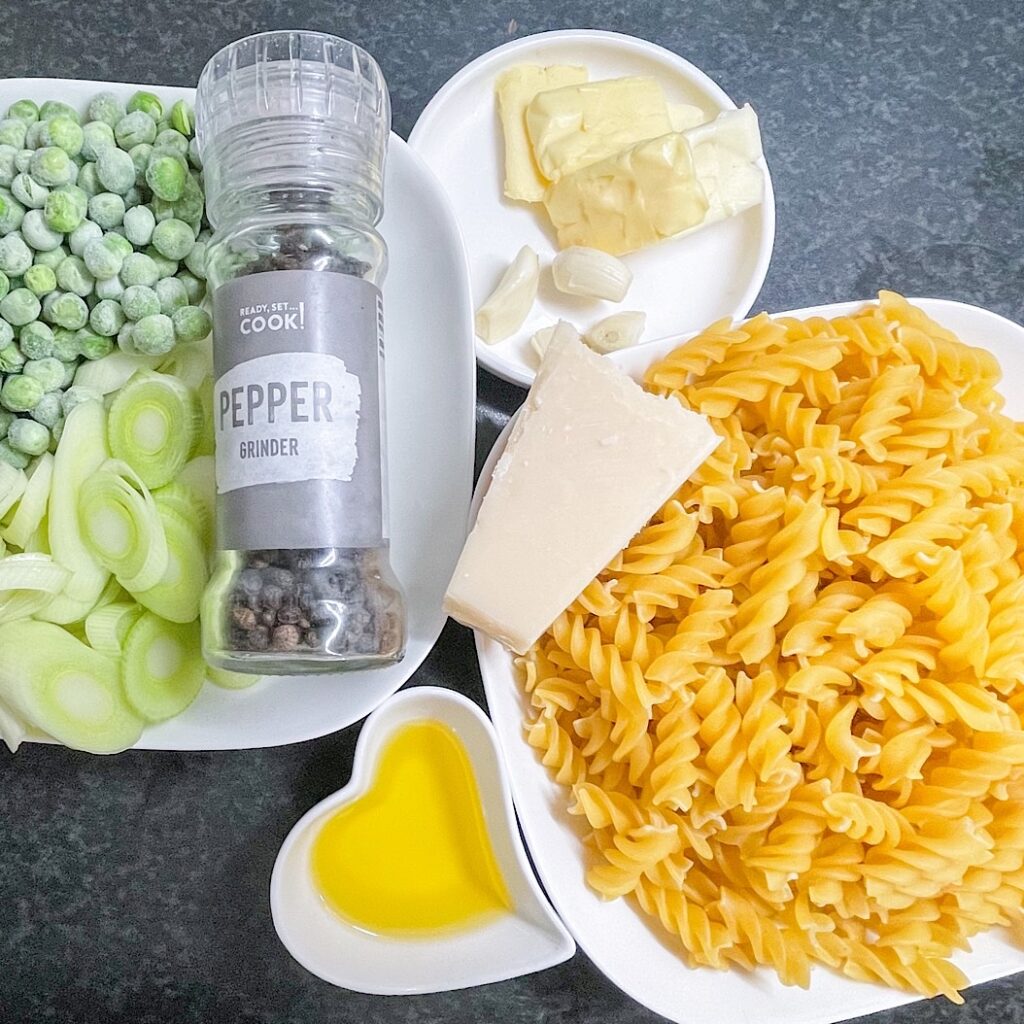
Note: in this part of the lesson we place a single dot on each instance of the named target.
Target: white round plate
(615, 935)
(529, 938)
(431, 397)
(681, 284)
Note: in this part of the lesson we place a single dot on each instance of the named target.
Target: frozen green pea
(133, 197)
(12, 132)
(162, 210)
(62, 131)
(6, 335)
(193, 154)
(35, 135)
(106, 107)
(48, 371)
(191, 323)
(170, 140)
(89, 180)
(11, 358)
(138, 225)
(40, 280)
(107, 317)
(15, 256)
(36, 340)
(24, 110)
(19, 460)
(173, 239)
(139, 302)
(147, 103)
(171, 293)
(5, 284)
(119, 242)
(124, 339)
(73, 276)
(166, 174)
(96, 137)
(93, 345)
(6, 419)
(20, 393)
(115, 171)
(28, 436)
(189, 207)
(48, 410)
(57, 108)
(52, 258)
(51, 166)
(64, 210)
(140, 155)
(153, 335)
(19, 307)
(38, 233)
(29, 192)
(76, 395)
(195, 261)
(85, 233)
(70, 369)
(102, 256)
(106, 209)
(138, 268)
(164, 266)
(109, 288)
(12, 213)
(65, 309)
(194, 288)
(182, 118)
(8, 165)
(23, 160)
(65, 344)
(135, 127)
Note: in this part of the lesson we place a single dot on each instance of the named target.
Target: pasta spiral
(790, 711)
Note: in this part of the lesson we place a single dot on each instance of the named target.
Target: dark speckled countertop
(133, 889)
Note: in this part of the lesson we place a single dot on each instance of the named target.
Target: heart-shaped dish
(526, 939)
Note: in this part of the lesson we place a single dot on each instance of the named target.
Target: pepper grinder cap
(292, 109)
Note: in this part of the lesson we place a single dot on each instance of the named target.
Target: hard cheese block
(662, 187)
(515, 89)
(591, 458)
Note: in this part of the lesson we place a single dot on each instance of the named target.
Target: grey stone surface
(134, 889)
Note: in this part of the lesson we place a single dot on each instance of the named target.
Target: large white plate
(431, 394)
(681, 285)
(615, 935)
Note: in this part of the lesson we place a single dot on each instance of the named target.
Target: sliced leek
(620, 330)
(192, 363)
(579, 270)
(509, 304)
(13, 728)
(121, 525)
(163, 668)
(187, 503)
(107, 627)
(176, 596)
(153, 425)
(12, 485)
(32, 572)
(65, 688)
(199, 475)
(230, 680)
(112, 372)
(31, 507)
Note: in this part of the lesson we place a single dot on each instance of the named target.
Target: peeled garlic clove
(508, 306)
(599, 275)
(620, 330)
(543, 338)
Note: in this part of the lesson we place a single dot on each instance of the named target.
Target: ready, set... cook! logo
(272, 316)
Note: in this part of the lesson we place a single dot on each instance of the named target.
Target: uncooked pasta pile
(790, 710)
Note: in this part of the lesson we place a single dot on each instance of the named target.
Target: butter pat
(661, 187)
(578, 125)
(591, 458)
(515, 89)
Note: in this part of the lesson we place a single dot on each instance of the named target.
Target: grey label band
(297, 411)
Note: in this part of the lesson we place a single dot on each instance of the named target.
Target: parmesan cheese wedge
(591, 458)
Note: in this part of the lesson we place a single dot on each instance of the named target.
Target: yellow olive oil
(412, 855)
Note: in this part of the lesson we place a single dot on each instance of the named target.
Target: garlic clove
(579, 270)
(508, 306)
(620, 330)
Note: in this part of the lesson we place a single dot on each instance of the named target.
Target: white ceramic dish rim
(376, 730)
(863, 998)
(416, 654)
(489, 356)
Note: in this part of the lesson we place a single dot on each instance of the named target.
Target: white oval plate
(615, 935)
(531, 938)
(431, 395)
(681, 285)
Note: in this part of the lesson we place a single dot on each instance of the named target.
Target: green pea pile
(102, 247)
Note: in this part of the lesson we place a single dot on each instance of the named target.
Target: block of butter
(661, 187)
(578, 125)
(515, 88)
(591, 458)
